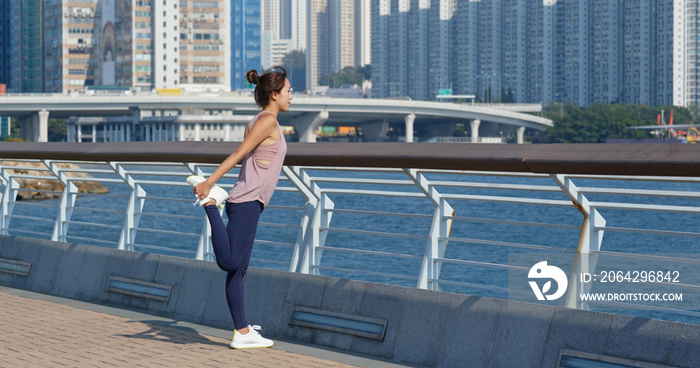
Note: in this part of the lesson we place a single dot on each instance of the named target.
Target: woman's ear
(274, 95)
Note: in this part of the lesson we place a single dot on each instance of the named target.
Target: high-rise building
(127, 31)
(205, 47)
(245, 41)
(331, 38)
(362, 32)
(285, 19)
(277, 50)
(606, 71)
(686, 86)
(5, 38)
(411, 48)
(299, 24)
(341, 27)
(316, 42)
(283, 24)
(584, 51)
(26, 27)
(5, 126)
(137, 44)
(464, 55)
(270, 30)
(270, 16)
(70, 46)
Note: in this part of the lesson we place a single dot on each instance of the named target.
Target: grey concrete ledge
(427, 328)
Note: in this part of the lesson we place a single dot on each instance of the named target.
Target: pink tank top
(257, 181)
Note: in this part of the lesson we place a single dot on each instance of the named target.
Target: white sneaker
(218, 194)
(252, 339)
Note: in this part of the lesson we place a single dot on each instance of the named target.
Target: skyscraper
(316, 42)
(270, 30)
(411, 48)
(362, 32)
(284, 26)
(5, 39)
(285, 19)
(26, 27)
(70, 46)
(205, 46)
(331, 38)
(245, 40)
(299, 24)
(686, 87)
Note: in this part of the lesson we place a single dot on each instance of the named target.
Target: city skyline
(586, 51)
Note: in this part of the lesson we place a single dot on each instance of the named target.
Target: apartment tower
(584, 51)
(330, 39)
(5, 38)
(27, 43)
(245, 41)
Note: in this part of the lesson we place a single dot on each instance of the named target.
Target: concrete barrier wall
(422, 327)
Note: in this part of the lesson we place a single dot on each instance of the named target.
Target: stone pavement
(38, 330)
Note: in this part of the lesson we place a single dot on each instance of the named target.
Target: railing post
(65, 208)
(316, 215)
(439, 232)
(301, 181)
(322, 218)
(590, 240)
(133, 211)
(8, 200)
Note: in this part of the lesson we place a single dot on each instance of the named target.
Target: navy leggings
(233, 245)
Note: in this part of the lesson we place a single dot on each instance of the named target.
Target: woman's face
(284, 97)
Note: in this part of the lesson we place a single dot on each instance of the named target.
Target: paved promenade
(38, 330)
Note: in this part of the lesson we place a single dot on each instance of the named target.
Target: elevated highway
(375, 116)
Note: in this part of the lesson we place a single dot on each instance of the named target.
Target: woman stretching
(262, 151)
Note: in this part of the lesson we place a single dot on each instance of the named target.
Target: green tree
(366, 71)
(57, 130)
(507, 95)
(14, 127)
(599, 122)
(348, 76)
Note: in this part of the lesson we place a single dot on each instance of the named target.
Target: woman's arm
(263, 128)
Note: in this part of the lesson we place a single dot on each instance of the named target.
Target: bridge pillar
(409, 119)
(375, 132)
(475, 130)
(43, 124)
(35, 128)
(227, 132)
(71, 133)
(306, 125)
(521, 135)
(132, 131)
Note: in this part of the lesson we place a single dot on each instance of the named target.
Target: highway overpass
(153, 117)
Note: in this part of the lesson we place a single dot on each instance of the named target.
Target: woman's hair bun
(252, 76)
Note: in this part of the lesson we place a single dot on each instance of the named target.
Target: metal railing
(388, 224)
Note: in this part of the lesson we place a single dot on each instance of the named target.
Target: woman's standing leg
(233, 246)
